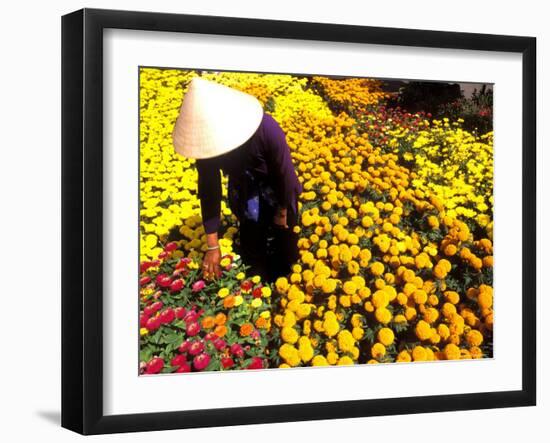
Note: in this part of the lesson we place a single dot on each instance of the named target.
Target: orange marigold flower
(229, 301)
(261, 323)
(220, 330)
(220, 319)
(246, 329)
(208, 322)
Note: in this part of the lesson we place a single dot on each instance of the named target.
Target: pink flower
(198, 286)
(154, 366)
(219, 344)
(178, 360)
(180, 312)
(227, 362)
(167, 316)
(153, 323)
(193, 329)
(237, 350)
(257, 363)
(184, 347)
(190, 317)
(211, 336)
(170, 247)
(176, 285)
(163, 280)
(184, 367)
(201, 361)
(196, 347)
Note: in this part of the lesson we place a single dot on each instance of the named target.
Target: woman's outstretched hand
(211, 264)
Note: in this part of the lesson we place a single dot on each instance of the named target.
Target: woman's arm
(210, 194)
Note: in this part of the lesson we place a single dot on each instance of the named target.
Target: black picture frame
(82, 215)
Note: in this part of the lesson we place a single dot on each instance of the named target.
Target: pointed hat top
(214, 119)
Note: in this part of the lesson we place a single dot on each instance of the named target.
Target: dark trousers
(269, 250)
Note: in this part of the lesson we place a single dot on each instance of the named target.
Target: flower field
(395, 236)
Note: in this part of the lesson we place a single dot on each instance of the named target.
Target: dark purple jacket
(266, 155)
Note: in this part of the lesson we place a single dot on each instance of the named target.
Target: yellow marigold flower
(282, 284)
(303, 310)
(420, 296)
(448, 310)
(386, 336)
(349, 287)
(423, 330)
(433, 222)
(378, 350)
(319, 360)
(443, 331)
(345, 341)
(344, 361)
(364, 292)
(289, 319)
(367, 221)
(410, 313)
(329, 286)
(419, 353)
(266, 291)
(305, 350)
(380, 299)
(485, 299)
(289, 335)
(332, 358)
(431, 315)
(330, 324)
(223, 292)
(377, 268)
(474, 337)
(256, 303)
(345, 301)
(238, 300)
(403, 357)
(290, 354)
(143, 331)
(383, 315)
(450, 250)
(439, 271)
(400, 318)
(452, 352)
(357, 332)
(452, 297)
(476, 352)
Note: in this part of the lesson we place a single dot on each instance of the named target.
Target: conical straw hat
(214, 119)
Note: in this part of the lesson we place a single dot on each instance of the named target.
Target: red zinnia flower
(170, 247)
(154, 366)
(201, 361)
(176, 285)
(193, 329)
(257, 363)
(196, 347)
(227, 362)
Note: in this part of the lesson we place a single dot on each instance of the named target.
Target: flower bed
(395, 237)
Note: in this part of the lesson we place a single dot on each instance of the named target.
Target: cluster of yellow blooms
(350, 92)
(453, 164)
(395, 261)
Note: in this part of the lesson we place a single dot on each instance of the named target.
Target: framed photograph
(269, 221)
